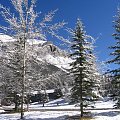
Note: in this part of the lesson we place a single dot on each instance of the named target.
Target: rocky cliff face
(45, 59)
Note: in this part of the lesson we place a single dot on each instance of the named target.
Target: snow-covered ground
(61, 115)
(61, 111)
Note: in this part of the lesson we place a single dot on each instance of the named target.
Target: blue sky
(97, 16)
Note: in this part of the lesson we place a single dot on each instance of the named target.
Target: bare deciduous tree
(23, 26)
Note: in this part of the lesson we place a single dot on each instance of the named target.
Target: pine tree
(82, 68)
(115, 73)
(17, 66)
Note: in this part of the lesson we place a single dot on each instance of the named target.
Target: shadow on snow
(57, 118)
(108, 113)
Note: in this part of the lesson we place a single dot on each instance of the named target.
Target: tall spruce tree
(115, 73)
(82, 67)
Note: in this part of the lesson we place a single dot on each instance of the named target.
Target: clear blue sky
(97, 16)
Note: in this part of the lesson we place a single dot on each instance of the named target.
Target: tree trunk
(81, 109)
(27, 106)
(28, 102)
(22, 100)
(16, 106)
(23, 80)
(43, 104)
(81, 102)
(16, 101)
(81, 92)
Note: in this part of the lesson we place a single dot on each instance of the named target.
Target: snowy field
(61, 113)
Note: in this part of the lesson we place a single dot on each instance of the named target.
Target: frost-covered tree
(23, 25)
(82, 67)
(115, 73)
(4, 71)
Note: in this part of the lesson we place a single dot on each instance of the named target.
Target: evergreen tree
(115, 73)
(82, 67)
(17, 66)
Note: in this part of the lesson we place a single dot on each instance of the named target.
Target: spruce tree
(115, 73)
(82, 68)
(16, 64)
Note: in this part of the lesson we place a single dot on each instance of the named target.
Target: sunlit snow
(60, 62)
(49, 113)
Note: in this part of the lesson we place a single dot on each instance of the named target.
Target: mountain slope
(45, 60)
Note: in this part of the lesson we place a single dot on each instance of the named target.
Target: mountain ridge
(45, 59)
